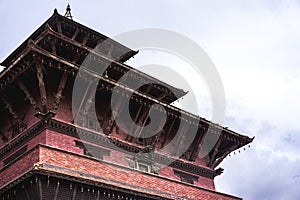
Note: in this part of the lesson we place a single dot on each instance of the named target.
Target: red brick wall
(18, 168)
(64, 111)
(61, 141)
(143, 180)
(168, 172)
(205, 182)
(30, 119)
(116, 157)
(39, 139)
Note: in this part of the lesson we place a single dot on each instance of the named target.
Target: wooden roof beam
(75, 34)
(162, 96)
(79, 45)
(219, 160)
(85, 39)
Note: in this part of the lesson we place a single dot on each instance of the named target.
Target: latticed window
(185, 177)
(143, 167)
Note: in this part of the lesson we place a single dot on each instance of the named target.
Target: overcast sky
(255, 46)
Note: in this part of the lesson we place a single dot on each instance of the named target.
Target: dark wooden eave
(53, 20)
(66, 30)
(40, 183)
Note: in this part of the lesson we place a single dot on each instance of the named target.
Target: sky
(255, 46)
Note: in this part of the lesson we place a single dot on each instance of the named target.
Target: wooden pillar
(56, 191)
(39, 187)
(74, 192)
(98, 195)
(27, 193)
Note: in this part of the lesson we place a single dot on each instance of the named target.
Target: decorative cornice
(22, 139)
(99, 139)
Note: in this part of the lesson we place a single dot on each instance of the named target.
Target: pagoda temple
(48, 150)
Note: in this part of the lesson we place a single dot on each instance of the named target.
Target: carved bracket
(40, 76)
(58, 96)
(28, 95)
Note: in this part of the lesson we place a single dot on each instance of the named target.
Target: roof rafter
(219, 160)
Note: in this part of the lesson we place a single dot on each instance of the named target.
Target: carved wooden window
(91, 150)
(185, 177)
(143, 167)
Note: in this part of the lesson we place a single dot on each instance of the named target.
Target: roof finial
(68, 12)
